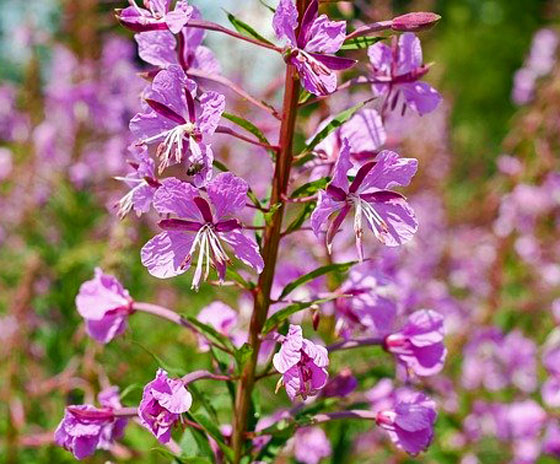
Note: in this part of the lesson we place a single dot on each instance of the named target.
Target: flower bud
(415, 21)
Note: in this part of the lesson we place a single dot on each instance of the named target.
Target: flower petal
(165, 255)
(157, 48)
(365, 132)
(410, 53)
(389, 171)
(421, 97)
(175, 197)
(244, 248)
(290, 351)
(212, 105)
(285, 21)
(326, 36)
(326, 206)
(227, 193)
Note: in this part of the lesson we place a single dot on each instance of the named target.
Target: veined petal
(285, 21)
(341, 167)
(389, 171)
(315, 77)
(244, 248)
(326, 206)
(399, 221)
(212, 105)
(410, 53)
(177, 18)
(166, 254)
(365, 132)
(168, 88)
(326, 36)
(336, 63)
(177, 198)
(290, 351)
(309, 17)
(380, 57)
(157, 48)
(318, 354)
(227, 193)
(149, 125)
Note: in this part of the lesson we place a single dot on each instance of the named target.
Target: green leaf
(243, 28)
(211, 334)
(271, 211)
(334, 124)
(173, 371)
(359, 43)
(266, 5)
(212, 429)
(201, 400)
(250, 127)
(310, 188)
(279, 317)
(301, 217)
(130, 389)
(232, 274)
(194, 443)
(341, 267)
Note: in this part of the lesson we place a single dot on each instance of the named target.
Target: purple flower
(155, 16)
(410, 423)
(105, 305)
(311, 445)
(173, 121)
(386, 212)
(163, 402)
(313, 50)
(142, 182)
(302, 364)
(160, 48)
(371, 307)
(396, 72)
(551, 441)
(86, 428)
(221, 317)
(199, 222)
(550, 390)
(419, 344)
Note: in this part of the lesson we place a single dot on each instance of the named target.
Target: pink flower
(419, 344)
(313, 50)
(302, 364)
(105, 305)
(311, 445)
(155, 16)
(221, 317)
(410, 423)
(163, 402)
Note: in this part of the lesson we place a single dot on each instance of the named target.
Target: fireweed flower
(199, 223)
(396, 71)
(550, 390)
(105, 305)
(86, 428)
(163, 402)
(313, 50)
(386, 212)
(302, 364)
(311, 445)
(156, 15)
(371, 306)
(142, 182)
(410, 423)
(174, 122)
(419, 344)
(161, 49)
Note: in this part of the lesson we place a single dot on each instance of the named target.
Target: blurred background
(69, 86)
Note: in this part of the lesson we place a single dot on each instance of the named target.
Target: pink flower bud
(415, 21)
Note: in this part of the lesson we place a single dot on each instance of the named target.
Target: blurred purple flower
(550, 390)
(341, 385)
(163, 402)
(387, 213)
(313, 50)
(410, 423)
(105, 305)
(219, 316)
(419, 344)
(311, 445)
(302, 364)
(156, 15)
(174, 123)
(86, 428)
(201, 223)
(396, 71)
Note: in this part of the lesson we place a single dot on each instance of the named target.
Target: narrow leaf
(334, 124)
(277, 318)
(243, 28)
(212, 429)
(341, 267)
(359, 43)
(211, 334)
(173, 371)
(301, 217)
(310, 188)
(249, 127)
(266, 5)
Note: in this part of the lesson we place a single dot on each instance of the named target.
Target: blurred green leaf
(244, 28)
(359, 43)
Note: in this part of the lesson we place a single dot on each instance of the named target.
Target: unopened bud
(316, 318)
(416, 21)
